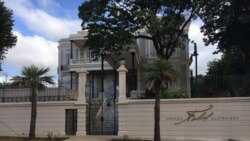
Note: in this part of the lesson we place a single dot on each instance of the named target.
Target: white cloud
(33, 50)
(40, 48)
(49, 4)
(205, 52)
(42, 23)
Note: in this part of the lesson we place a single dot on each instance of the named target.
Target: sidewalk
(108, 138)
(90, 138)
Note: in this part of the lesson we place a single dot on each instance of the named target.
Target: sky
(40, 24)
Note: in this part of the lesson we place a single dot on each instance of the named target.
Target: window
(175, 53)
(67, 58)
(81, 54)
(76, 53)
(90, 54)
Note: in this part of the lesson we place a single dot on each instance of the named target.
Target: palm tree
(159, 76)
(33, 78)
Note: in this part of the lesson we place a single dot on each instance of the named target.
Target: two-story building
(73, 56)
(102, 85)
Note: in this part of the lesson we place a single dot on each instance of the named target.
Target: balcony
(89, 64)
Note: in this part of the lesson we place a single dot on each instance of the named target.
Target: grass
(127, 139)
(26, 139)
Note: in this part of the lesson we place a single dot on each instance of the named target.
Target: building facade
(102, 83)
(74, 56)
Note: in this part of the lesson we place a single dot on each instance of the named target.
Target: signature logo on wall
(197, 115)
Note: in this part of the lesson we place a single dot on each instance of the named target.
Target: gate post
(122, 102)
(81, 102)
(82, 76)
(122, 83)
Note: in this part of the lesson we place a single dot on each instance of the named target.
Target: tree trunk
(157, 86)
(32, 133)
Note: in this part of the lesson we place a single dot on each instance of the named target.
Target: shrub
(175, 94)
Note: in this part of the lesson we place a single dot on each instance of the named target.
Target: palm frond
(33, 77)
(161, 69)
(19, 81)
(47, 79)
(151, 75)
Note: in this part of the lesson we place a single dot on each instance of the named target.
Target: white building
(74, 56)
(101, 83)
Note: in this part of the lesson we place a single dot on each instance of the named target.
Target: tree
(226, 22)
(229, 75)
(34, 78)
(228, 64)
(113, 25)
(7, 39)
(160, 75)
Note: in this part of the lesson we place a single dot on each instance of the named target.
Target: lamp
(195, 54)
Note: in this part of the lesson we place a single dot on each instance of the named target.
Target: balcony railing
(89, 64)
(50, 94)
(83, 61)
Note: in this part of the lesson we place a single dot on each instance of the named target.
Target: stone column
(81, 119)
(122, 83)
(81, 103)
(122, 102)
(82, 76)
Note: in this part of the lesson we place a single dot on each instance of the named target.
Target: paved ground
(90, 138)
(106, 138)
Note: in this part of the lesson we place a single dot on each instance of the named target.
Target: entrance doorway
(102, 112)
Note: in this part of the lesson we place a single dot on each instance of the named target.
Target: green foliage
(160, 70)
(50, 135)
(160, 74)
(26, 139)
(226, 22)
(112, 24)
(230, 63)
(221, 85)
(126, 138)
(7, 39)
(33, 77)
(175, 94)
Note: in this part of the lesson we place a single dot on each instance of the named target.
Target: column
(82, 74)
(122, 83)
(122, 102)
(81, 119)
(71, 57)
(81, 103)
(133, 72)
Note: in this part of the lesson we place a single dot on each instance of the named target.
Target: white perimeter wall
(15, 118)
(227, 118)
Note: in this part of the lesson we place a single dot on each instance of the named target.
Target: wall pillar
(122, 83)
(81, 111)
(81, 119)
(122, 102)
(82, 74)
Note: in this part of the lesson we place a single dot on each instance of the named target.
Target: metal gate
(71, 122)
(102, 112)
